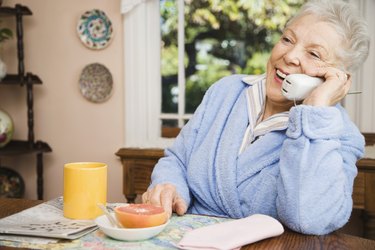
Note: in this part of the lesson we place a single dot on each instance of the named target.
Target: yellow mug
(85, 185)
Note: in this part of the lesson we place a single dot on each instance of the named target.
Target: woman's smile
(280, 76)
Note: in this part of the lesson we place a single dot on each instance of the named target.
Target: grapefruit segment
(140, 215)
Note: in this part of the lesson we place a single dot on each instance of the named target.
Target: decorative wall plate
(95, 29)
(96, 82)
(11, 184)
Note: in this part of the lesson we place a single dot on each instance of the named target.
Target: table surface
(288, 240)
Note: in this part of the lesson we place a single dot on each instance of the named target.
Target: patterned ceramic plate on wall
(95, 29)
(96, 83)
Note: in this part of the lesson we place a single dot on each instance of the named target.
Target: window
(159, 70)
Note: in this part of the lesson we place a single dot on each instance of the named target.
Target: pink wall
(75, 128)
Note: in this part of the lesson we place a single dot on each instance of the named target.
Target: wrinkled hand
(166, 196)
(333, 90)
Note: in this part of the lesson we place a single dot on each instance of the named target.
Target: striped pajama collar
(256, 96)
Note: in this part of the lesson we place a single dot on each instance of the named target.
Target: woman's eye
(315, 55)
(286, 39)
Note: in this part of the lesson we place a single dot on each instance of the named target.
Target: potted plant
(5, 34)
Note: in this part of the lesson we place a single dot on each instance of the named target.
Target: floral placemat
(167, 239)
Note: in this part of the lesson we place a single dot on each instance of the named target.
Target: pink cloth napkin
(232, 234)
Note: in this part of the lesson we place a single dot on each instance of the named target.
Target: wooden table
(288, 240)
(12, 206)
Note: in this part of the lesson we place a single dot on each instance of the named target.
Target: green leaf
(5, 34)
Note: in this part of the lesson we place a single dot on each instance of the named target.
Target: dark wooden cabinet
(137, 168)
(24, 80)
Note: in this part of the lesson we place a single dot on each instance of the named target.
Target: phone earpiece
(298, 86)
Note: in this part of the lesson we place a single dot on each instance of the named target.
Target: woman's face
(305, 45)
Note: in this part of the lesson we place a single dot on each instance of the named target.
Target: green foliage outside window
(222, 37)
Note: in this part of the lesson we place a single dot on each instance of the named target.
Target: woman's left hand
(335, 87)
(166, 196)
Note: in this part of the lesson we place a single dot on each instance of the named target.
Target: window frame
(142, 79)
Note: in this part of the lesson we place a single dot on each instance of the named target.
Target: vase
(3, 69)
(6, 128)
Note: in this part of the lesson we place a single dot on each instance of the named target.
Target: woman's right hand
(166, 196)
(335, 87)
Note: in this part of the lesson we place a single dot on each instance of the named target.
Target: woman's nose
(293, 56)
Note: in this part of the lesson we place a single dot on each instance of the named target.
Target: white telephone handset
(297, 87)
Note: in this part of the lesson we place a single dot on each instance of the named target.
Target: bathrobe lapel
(216, 169)
(231, 166)
(243, 168)
(262, 153)
(227, 155)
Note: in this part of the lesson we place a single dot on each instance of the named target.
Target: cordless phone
(297, 87)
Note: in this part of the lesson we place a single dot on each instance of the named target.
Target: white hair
(349, 25)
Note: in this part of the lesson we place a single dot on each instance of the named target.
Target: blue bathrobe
(302, 176)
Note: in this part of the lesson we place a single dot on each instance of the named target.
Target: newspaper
(45, 220)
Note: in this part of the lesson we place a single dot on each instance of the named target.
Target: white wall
(76, 129)
(361, 107)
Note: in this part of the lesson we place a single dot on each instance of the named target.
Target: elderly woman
(250, 150)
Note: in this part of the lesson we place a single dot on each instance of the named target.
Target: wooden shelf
(12, 11)
(18, 147)
(15, 79)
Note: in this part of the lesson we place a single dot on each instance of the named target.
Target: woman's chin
(279, 100)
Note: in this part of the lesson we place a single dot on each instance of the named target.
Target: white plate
(128, 234)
